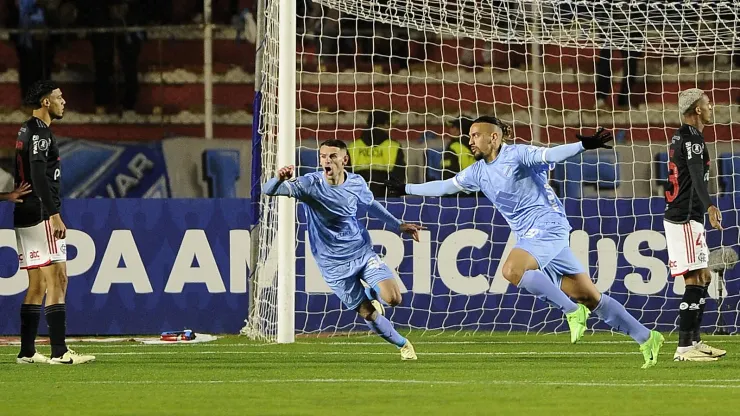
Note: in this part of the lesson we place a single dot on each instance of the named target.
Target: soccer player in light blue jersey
(515, 179)
(340, 243)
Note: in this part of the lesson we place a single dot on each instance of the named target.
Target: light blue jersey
(516, 182)
(340, 244)
(331, 212)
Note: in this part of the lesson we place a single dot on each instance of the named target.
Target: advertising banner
(141, 266)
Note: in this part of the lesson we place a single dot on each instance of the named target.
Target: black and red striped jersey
(687, 194)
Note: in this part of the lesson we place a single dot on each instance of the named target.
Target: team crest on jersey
(697, 148)
(39, 144)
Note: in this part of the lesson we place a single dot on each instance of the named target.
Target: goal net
(381, 73)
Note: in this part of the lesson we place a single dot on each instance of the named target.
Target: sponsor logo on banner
(185, 263)
(113, 170)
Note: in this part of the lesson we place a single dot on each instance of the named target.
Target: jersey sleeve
(546, 156)
(693, 148)
(364, 195)
(693, 151)
(297, 188)
(39, 146)
(300, 187)
(38, 154)
(467, 179)
(530, 155)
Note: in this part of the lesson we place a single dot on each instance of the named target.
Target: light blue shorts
(344, 278)
(550, 246)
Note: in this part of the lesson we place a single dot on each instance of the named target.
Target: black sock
(56, 317)
(30, 315)
(697, 326)
(688, 312)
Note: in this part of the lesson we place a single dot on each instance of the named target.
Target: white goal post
(550, 68)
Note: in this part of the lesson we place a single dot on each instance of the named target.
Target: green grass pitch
(456, 374)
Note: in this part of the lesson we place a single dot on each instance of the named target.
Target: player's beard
(56, 116)
(479, 155)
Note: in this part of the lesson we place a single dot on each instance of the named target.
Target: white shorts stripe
(37, 247)
(687, 253)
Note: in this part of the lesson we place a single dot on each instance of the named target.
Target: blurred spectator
(457, 155)
(336, 39)
(216, 11)
(158, 12)
(613, 17)
(36, 50)
(625, 98)
(114, 13)
(375, 156)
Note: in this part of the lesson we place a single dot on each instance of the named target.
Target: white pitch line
(330, 353)
(266, 381)
(366, 343)
(696, 384)
(335, 343)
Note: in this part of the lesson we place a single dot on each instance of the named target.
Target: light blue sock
(614, 314)
(373, 293)
(383, 327)
(540, 285)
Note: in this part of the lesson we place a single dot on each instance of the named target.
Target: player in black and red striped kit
(39, 229)
(687, 199)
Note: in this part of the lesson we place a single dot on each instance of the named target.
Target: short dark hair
(334, 143)
(38, 91)
(505, 128)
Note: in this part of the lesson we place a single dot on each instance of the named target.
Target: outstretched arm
(282, 186)
(379, 212)
(562, 153)
(276, 187)
(433, 188)
(531, 155)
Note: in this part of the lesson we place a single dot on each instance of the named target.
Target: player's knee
(513, 273)
(693, 277)
(366, 310)
(394, 299)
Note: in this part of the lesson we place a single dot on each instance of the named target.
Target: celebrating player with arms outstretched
(40, 231)
(514, 178)
(339, 243)
(687, 199)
